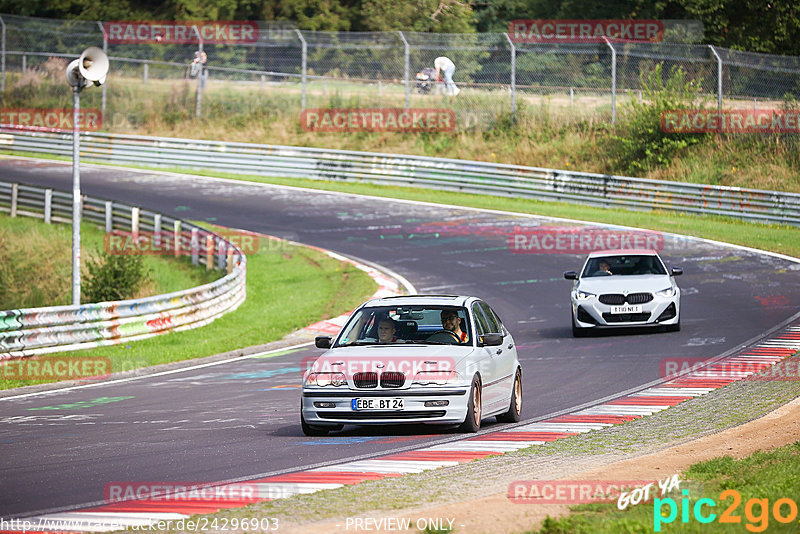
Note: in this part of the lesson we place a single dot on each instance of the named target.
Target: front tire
(310, 430)
(515, 408)
(577, 331)
(674, 327)
(472, 422)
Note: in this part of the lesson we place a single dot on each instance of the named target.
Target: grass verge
(288, 287)
(36, 264)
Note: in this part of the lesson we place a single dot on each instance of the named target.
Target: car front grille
(626, 317)
(392, 379)
(367, 379)
(410, 414)
(617, 299)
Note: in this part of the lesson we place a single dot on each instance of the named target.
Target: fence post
(109, 217)
(407, 60)
(195, 247)
(135, 224)
(105, 51)
(48, 205)
(304, 60)
(613, 81)
(24, 63)
(199, 108)
(221, 255)
(209, 252)
(157, 231)
(14, 196)
(719, 78)
(146, 72)
(177, 238)
(513, 76)
(3, 59)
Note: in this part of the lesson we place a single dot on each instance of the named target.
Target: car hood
(407, 358)
(638, 283)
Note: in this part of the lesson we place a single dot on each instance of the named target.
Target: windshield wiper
(352, 343)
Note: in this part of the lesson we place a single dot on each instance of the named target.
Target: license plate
(377, 404)
(626, 309)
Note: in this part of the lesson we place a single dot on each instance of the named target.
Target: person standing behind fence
(199, 67)
(448, 68)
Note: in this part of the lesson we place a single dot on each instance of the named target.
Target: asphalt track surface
(241, 418)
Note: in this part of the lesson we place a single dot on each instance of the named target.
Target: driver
(451, 322)
(386, 330)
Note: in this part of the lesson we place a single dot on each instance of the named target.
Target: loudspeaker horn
(93, 65)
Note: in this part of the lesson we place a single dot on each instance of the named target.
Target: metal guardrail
(419, 171)
(26, 332)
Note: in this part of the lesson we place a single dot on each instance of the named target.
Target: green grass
(288, 287)
(769, 475)
(36, 264)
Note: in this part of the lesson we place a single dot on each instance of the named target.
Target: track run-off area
(239, 419)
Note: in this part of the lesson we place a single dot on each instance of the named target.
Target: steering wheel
(451, 336)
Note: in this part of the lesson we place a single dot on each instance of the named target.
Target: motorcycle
(426, 80)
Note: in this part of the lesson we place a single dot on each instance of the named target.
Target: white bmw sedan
(624, 288)
(439, 359)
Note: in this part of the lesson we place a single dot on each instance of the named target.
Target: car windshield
(623, 266)
(379, 325)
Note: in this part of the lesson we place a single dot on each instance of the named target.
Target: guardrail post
(221, 255)
(146, 73)
(135, 224)
(209, 251)
(304, 64)
(407, 57)
(14, 196)
(613, 81)
(3, 54)
(513, 76)
(109, 217)
(157, 231)
(195, 248)
(229, 261)
(48, 205)
(177, 239)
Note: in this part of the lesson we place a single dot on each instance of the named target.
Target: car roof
(624, 252)
(418, 300)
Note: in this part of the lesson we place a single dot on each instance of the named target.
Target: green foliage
(114, 277)
(642, 145)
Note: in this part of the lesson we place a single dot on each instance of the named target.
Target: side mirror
(675, 271)
(323, 342)
(490, 340)
(571, 275)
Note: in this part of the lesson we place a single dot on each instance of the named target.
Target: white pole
(76, 197)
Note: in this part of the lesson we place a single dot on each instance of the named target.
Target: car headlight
(438, 378)
(668, 293)
(583, 295)
(325, 379)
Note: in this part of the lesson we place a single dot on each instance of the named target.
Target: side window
(494, 321)
(492, 324)
(481, 324)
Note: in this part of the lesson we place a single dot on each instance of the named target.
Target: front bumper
(592, 313)
(414, 410)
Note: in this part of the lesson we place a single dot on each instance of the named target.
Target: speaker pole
(76, 195)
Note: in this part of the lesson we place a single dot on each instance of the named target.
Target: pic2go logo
(756, 511)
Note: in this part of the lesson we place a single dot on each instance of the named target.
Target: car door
(504, 356)
(488, 365)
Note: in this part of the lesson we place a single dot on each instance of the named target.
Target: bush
(114, 277)
(643, 145)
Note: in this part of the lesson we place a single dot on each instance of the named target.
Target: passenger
(451, 322)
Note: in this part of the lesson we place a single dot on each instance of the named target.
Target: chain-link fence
(285, 70)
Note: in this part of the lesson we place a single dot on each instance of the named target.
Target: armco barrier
(419, 171)
(26, 332)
